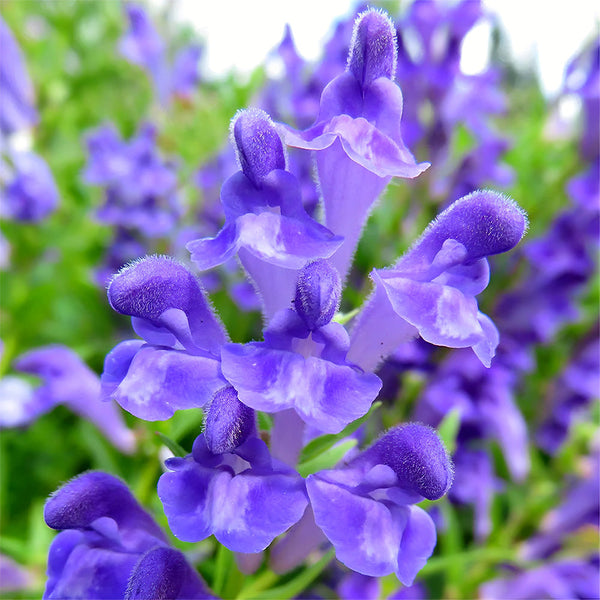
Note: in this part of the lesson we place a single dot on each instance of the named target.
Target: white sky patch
(240, 34)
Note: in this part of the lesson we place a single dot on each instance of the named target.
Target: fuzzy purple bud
(150, 286)
(484, 222)
(257, 144)
(228, 423)
(417, 456)
(373, 47)
(318, 292)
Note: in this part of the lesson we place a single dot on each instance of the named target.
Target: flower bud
(227, 423)
(418, 457)
(257, 144)
(318, 292)
(373, 47)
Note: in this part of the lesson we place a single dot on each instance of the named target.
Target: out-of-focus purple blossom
(302, 362)
(65, 379)
(265, 222)
(567, 578)
(354, 586)
(367, 508)
(575, 390)
(29, 193)
(142, 45)
(140, 187)
(244, 497)
(17, 106)
(357, 137)
(439, 96)
(176, 364)
(110, 547)
(185, 75)
(125, 246)
(13, 577)
(431, 290)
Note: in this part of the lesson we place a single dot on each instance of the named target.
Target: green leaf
(174, 447)
(343, 318)
(448, 429)
(295, 586)
(321, 444)
(265, 421)
(327, 459)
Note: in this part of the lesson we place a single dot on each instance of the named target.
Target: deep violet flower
(140, 186)
(367, 508)
(265, 222)
(29, 191)
(230, 486)
(17, 107)
(431, 290)
(176, 365)
(302, 362)
(110, 547)
(65, 379)
(357, 133)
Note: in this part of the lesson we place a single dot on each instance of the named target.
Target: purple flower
(265, 222)
(567, 578)
(431, 290)
(302, 362)
(357, 133)
(176, 365)
(17, 109)
(185, 75)
(110, 547)
(243, 496)
(367, 511)
(13, 577)
(30, 193)
(66, 379)
(140, 185)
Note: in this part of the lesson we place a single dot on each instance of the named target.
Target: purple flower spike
(318, 293)
(367, 511)
(257, 144)
(357, 136)
(431, 290)
(178, 366)
(110, 547)
(228, 423)
(244, 497)
(418, 458)
(373, 48)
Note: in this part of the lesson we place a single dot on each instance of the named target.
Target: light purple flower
(302, 362)
(185, 75)
(65, 379)
(176, 365)
(431, 290)
(357, 133)
(244, 497)
(265, 222)
(367, 509)
(110, 547)
(29, 194)
(17, 107)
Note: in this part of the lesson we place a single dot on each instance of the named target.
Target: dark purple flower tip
(159, 574)
(418, 457)
(318, 292)
(257, 144)
(162, 574)
(228, 423)
(373, 47)
(484, 222)
(91, 496)
(148, 287)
